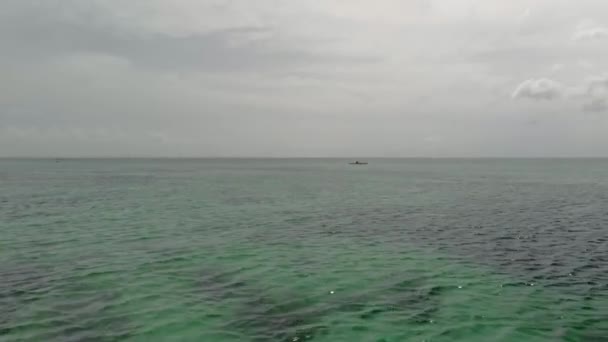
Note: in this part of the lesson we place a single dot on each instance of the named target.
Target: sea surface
(303, 250)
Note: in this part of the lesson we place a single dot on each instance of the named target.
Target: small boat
(356, 162)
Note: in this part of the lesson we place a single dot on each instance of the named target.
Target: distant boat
(356, 162)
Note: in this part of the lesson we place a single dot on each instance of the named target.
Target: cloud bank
(302, 78)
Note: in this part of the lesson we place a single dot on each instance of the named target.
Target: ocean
(303, 250)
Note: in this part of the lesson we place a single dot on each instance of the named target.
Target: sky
(303, 78)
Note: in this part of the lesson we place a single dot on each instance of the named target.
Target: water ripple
(303, 251)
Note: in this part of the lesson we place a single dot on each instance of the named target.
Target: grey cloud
(299, 78)
(597, 86)
(212, 51)
(596, 105)
(597, 94)
(34, 34)
(593, 93)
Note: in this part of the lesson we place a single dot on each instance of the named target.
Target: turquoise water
(303, 250)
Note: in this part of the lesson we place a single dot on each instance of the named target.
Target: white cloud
(584, 64)
(594, 33)
(539, 89)
(557, 67)
(590, 31)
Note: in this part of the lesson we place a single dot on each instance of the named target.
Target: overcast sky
(302, 78)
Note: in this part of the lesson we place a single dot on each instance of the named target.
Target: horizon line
(297, 157)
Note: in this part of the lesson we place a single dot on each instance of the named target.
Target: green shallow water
(303, 250)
